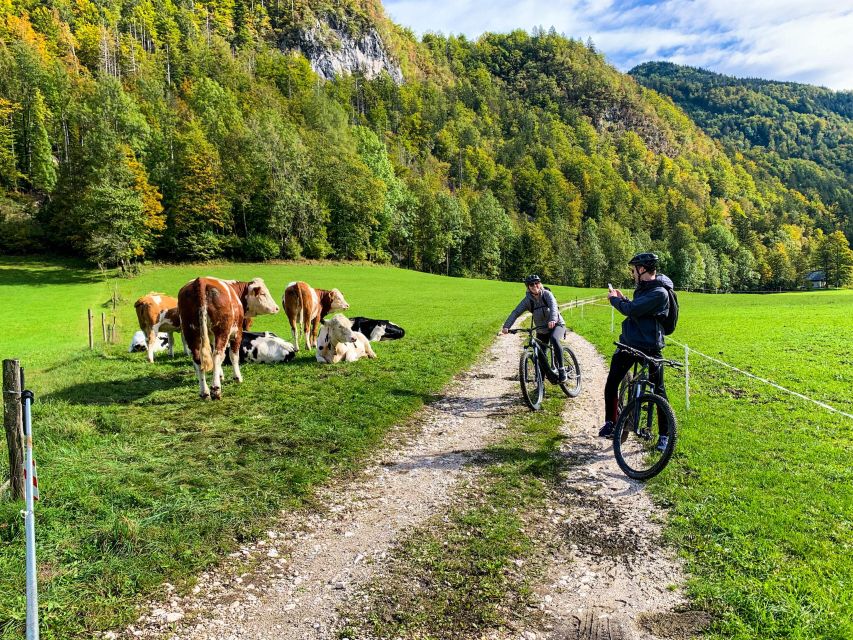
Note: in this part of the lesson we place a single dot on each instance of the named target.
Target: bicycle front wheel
(638, 436)
(572, 386)
(530, 377)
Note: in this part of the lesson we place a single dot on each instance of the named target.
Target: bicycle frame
(639, 445)
(540, 349)
(641, 384)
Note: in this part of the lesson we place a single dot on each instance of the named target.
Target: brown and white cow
(338, 342)
(212, 311)
(307, 306)
(149, 309)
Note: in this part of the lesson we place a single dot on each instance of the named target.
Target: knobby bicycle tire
(532, 388)
(633, 441)
(572, 386)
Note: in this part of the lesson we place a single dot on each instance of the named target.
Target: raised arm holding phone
(641, 330)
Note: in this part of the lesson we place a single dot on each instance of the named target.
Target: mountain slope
(131, 130)
(800, 133)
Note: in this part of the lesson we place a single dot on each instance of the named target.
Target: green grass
(468, 571)
(761, 486)
(142, 482)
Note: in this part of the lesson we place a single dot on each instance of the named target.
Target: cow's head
(258, 299)
(340, 329)
(338, 302)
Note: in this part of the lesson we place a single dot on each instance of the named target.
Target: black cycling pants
(553, 337)
(620, 364)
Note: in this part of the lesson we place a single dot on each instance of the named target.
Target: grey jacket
(544, 310)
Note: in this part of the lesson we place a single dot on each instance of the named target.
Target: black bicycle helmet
(531, 279)
(647, 260)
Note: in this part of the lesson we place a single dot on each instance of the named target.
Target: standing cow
(307, 306)
(212, 311)
(150, 311)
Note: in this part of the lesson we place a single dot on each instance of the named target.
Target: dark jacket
(544, 310)
(641, 328)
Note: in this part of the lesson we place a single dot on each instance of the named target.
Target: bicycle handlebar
(647, 357)
(529, 329)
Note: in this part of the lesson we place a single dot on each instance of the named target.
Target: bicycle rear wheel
(572, 386)
(530, 377)
(637, 435)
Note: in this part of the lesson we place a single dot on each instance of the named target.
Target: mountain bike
(645, 419)
(537, 363)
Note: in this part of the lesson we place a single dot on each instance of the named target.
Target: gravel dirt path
(608, 578)
(310, 562)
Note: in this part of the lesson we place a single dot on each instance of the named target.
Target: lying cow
(139, 343)
(337, 341)
(264, 348)
(376, 330)
(150, 310)
(307, 306)
(212, 311)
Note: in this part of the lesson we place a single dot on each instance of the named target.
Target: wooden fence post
(91, 339)
(113, 332)
(13, 421)
(104, 325)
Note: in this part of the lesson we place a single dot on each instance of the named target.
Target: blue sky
(800, 40)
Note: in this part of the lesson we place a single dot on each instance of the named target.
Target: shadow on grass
(42, 274)
(426, 398)
(111, 392)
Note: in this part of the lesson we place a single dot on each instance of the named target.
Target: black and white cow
(264, 348)
(139, 344)
(376, 330)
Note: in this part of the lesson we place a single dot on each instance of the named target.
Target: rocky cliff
(334, 49)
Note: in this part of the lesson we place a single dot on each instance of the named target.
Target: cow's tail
(301, 317)
(205, 353)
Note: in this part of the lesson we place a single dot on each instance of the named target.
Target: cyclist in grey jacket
(542, 304)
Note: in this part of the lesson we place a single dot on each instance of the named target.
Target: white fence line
(764, 380)
(775, 385)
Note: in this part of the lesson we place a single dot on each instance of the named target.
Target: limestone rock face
(333, 49)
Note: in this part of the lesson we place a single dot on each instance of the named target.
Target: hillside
(178, 130)
(799, 133)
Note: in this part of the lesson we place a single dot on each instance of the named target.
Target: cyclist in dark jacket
(542, 304)
(641, 330)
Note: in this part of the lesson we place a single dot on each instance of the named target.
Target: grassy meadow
(142, 482)
(761, 485)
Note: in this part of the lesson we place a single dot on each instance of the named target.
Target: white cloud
(774, 39)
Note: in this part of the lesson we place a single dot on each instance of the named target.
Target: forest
(800, 133)
(138, 130)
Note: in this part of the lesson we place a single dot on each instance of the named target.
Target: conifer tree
(42, 165)
(8, 164)
(591, 256)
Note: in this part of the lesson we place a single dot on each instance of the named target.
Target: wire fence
(689, 350)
